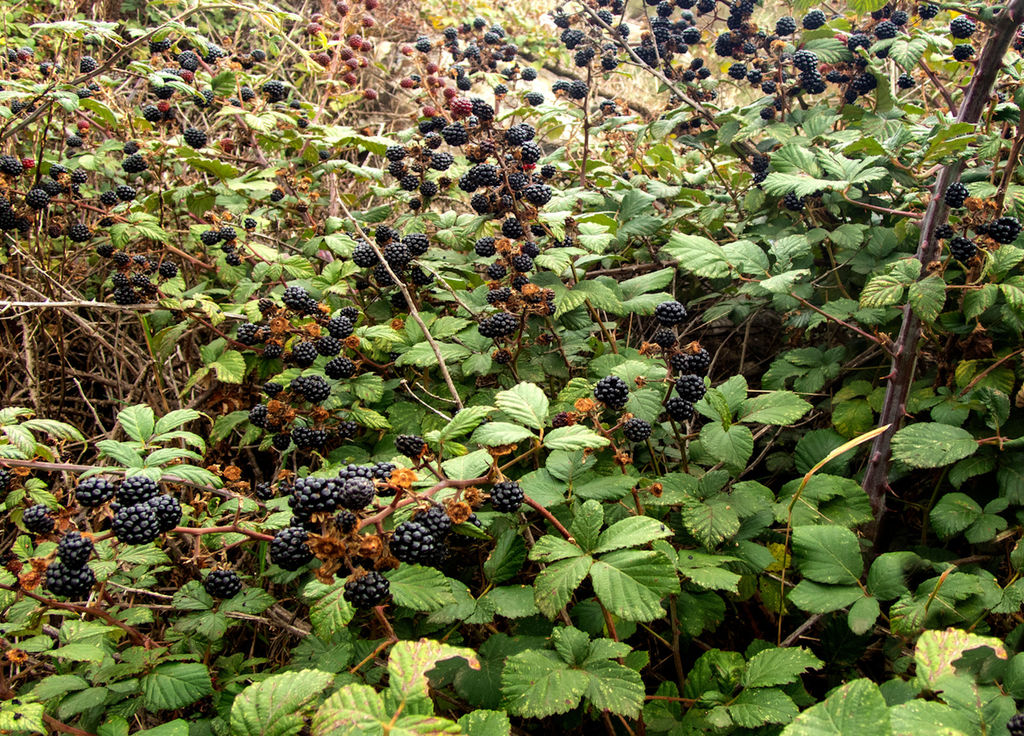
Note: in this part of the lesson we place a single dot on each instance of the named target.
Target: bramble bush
(637, 367)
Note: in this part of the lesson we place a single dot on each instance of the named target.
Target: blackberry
(962, 249)
(250, 223)
(307, 437)
(812, 82)
(441, 161)
(79, 233)
(138, 524)
(282, 442)
(188, 60)
(314, 495)
(484, 247)
(11, 166)
(37, 519)
(664, 338)
(272, 388)
(168, 269)
(499, 325)
(927, 12)
(1016, 725)
(962, 27)
(1004, 229)
(328, 345)
(455, 134)
(274, 90)
(963, 52)
(805, 61)
(417, 243)
(519, 134)
(277, 195)
(886, 29)
(346, 430)
(793, 202)
(289, 550)
(194, 137)
(125, 193)
(956, 194)
(531, 153)
(74, 549)
(67, 581)
(168, 512)
(690, 387)
(107, 199)
(364, 257)
(395, 153)
(126, 296)
(367, 591)
(410, 445)
(381, 275)
(436, 521)
(356, 493)
(248, 333)
(636, 430)
(944, 232)
(5, 480)
(227, 234)
(223, 584)
(670, 313)
(578, 90)
(298, 299)
(106, 250)
(905, 81)
(537, 194)
(534, 98)
(314, 388)
(158, 47)
(136, 489)
(397, 255)
(814, 20)
(258, 416)
(738, 71)
(679, 409)
(499, 296)
(521, 263)
(134, 164)
(506, 496)
(512, 228)
(412, 543)
(785, 26)
(612, 391)
(346, 521)
(340, 367)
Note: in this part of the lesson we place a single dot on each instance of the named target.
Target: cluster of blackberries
(133, 279)
(142, 513)
(226, 236)
(70, 576)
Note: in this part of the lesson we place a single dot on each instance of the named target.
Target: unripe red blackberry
(223, 584)
(367, 590)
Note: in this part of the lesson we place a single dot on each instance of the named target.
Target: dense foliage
(608, 366)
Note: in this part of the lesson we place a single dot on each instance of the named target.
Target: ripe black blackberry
(364, 257)
(74, 550)
(512, 228)
(905, 81)
(126, 296)
(412, 543)
(328, 345)
(436, 521)
(134, 525)
(37, 199)
(367, 591)
(314, 388)
(356, 493)
(484, 247)
(670, 313)
(281, 442)
(679, 409)
(274, 90)
(168, 512)
(136, 489)
(506, 496)
(927, 12)
(886, 29)
(314, 495)
(1016, 725)
(395, 153)
(499, 325)
(258, 416)
(410, 445)
(37, 519)
(805, 61)
(107, 199)
(1004, 229)
(289, 550)
(664, 338)
(531, 153)
(956, 194)
(962, 27)
(814, 20)
(785, 26)
(397, 255)
(340, 367)
(944, 232)
(537, 194)
(636, 430)
(248, 333)
(308, 437)
(79, 233)
(134, 164)
(298, 299)
(417, 243)
(5, 480)
(612, 391)
(223, 584)
(793, 202)
(194, 137)
(690, 387)
(69, 582)
(11, 166)
(962, 249)
(963, 52)
(521, 263)
(577, 90)
(499, 296)
(381, 275)
(455, 134)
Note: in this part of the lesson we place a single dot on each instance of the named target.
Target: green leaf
(732, 446)
(276, 706)
(230, 367)
(485, 723)
(779, 667)
(587, 525)
(507, 557)
(176, 685)
(575, 437)
(525, 403)
(411, 660)
(615, 687)
(539, 684)
(882, 290)
(754, 708)
(175, 419)
(500, 433)
(555, 584)
(927, 296)
(328, 609)
(138, 422)
(828, 554)
(953, 513)
(465, 421)
(817, 598)
(778, 407)
(21, 718)
(123, 453)
(697, 255)
(632, 532)
(855, 709)
(420, 588)
(712, 522)
(421, 355)
(354, 709)
(631, 584)
(863, 614)
(932, 445)
(936, 652)
(779, 184)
